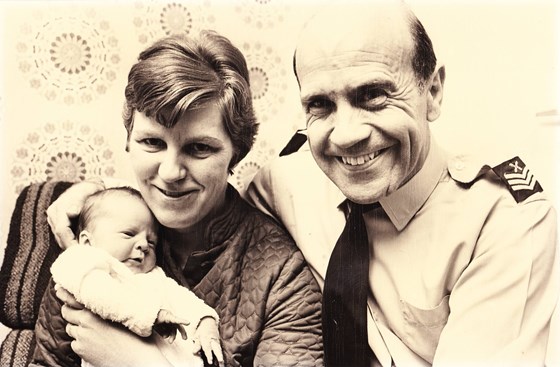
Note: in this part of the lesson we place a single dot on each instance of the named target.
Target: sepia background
(64, 66)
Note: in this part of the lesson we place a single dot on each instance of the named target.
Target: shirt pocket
(422, 327)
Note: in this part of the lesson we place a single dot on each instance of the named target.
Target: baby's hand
(207, 338)
(169, 331)
(167, 325)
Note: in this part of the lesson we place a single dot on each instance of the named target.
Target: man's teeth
(355, 161)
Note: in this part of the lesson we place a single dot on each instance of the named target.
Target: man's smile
(360, 160)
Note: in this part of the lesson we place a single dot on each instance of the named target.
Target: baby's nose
(142, 245)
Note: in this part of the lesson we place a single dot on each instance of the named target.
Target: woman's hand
(103, 343)
(67, 206)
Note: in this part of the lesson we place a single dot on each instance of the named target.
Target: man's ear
(435, 93)
(83, 238)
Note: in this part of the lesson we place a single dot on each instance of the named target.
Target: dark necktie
(345, 296)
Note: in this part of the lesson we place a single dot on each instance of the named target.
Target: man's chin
(361, 196)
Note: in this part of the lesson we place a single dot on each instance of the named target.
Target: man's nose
(350, 127)
(172, 167)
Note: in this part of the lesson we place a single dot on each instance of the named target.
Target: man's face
(366, 115)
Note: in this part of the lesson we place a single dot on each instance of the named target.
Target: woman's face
(182, 171)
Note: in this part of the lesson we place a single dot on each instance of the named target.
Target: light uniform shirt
(462, 274)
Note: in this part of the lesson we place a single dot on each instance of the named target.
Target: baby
(113, 273)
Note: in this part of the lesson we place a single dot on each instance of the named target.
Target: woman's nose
(172, 167)
(349, 128)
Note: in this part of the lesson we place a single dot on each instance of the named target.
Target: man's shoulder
(300, 162)
(293, 174)
(509, 177)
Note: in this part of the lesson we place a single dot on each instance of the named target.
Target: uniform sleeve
(52, 343)
(292, 329)
(502, 304)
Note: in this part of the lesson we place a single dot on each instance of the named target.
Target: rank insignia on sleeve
(518, 179)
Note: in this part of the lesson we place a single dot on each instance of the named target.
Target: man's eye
(372, 98)
(320, 107)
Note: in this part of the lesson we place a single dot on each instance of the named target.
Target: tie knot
(360, 208)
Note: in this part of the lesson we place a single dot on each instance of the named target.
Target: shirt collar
(404, 203)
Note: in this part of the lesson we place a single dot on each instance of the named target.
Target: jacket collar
(218, 230)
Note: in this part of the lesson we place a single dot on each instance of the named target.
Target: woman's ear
(435, 93)
(84, 238)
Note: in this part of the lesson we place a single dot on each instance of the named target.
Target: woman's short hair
(181, 72)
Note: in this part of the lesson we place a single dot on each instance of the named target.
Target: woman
(190, 120)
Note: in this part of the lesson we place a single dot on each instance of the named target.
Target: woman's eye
(319, 107)
(152, 142)
(200, 150)
(200, 147)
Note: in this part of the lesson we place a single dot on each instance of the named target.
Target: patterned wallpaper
(76, 56)
(64, 66)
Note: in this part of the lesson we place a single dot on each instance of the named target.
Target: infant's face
(126, 229)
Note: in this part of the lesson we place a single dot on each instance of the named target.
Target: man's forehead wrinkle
(350, 59)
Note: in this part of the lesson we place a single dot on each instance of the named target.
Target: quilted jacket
(252, 274)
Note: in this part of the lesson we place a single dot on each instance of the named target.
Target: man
(462, 257)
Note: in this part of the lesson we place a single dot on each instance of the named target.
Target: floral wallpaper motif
(156, 19)
(243, 173)
(69, 61)
(69, 58)
(67, 151)
(261, 14)
(267, 77)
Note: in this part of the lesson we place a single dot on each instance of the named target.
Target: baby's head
(119, 221)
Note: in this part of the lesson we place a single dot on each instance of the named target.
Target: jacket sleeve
(52, 343)
(292, 331)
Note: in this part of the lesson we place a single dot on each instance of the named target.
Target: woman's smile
(174, 193)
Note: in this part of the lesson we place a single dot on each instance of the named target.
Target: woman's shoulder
(264, 226)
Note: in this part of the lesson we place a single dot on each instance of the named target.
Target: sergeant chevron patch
(518, 179)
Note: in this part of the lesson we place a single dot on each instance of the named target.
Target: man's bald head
(340, 26)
